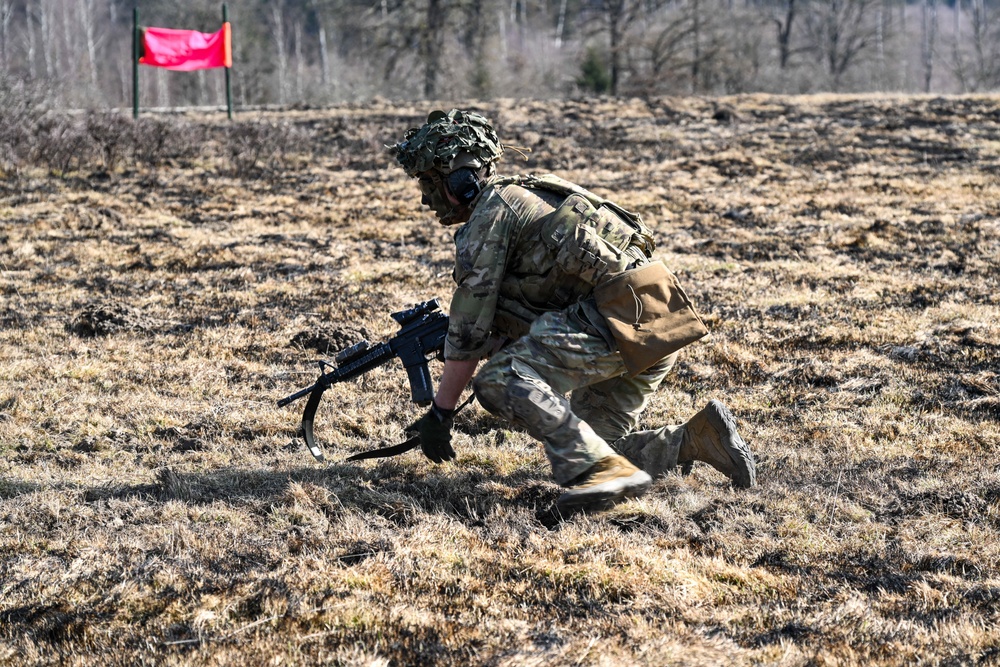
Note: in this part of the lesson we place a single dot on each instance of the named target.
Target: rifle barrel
(296, 396)
(366, 360)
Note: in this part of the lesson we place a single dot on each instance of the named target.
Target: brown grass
(156, 507)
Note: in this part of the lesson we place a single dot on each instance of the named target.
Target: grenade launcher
(423, 329)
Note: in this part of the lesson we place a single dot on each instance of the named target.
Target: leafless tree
(88, 10)
(984, 40)
(840, 31)
(785, 20)
(692, 48)
(664, 51)
(320, 10)
(561, 24)
(615, 16)
(432, 44)
(46, 16)
(278, 32)
(30, 21)
(975, 59)
(6, 16)
(928, 29)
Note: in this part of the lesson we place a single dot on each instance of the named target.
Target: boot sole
(723, 421)
(606, 495)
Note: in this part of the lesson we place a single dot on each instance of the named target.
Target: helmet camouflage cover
(437, 143)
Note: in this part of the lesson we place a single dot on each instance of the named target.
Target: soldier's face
(435, 196)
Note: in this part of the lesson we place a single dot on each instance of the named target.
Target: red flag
(187, 50)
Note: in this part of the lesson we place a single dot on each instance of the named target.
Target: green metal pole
(135, 62)
(229, 85)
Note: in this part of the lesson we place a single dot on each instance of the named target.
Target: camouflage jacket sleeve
(481, 247)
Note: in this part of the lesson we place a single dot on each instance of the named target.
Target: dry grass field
(156, 506)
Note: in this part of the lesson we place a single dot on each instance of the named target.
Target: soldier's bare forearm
(454, 379)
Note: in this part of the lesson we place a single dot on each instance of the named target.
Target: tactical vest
(643, 306)
(593, 238)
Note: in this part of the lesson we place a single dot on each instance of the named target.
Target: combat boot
(710, 436)
(608, 482)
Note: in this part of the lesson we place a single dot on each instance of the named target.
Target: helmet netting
(437, 143)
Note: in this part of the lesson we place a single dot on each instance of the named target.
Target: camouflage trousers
(565, 353)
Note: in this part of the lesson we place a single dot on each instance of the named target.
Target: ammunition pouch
(592, 242)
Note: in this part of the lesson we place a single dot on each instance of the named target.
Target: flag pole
(135, 62)
(229, 86)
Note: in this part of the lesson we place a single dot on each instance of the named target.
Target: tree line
(310, 52)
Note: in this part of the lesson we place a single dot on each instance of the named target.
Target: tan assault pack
(609, 247)
(649, 315)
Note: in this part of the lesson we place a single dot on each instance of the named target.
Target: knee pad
(542, 412)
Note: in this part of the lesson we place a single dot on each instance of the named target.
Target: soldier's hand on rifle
(434, 429)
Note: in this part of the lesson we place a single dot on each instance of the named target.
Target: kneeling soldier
(558, 293)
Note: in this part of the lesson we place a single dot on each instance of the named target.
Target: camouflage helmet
(448, 141)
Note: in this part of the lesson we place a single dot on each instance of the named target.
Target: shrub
(158, 140)
(111, 137)
(19, 113)
(253, 147)
(62, 143)
(151, 138)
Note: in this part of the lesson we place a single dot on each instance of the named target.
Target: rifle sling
(403, 447)
(308, 417)
(386, 452)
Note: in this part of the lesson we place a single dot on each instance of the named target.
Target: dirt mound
(329, 339)
(108, 317)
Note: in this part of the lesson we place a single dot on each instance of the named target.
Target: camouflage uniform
(511, 285)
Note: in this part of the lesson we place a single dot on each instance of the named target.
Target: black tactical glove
(434, 429)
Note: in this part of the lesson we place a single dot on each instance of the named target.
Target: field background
(157, 508)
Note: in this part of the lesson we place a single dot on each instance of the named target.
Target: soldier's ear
(464, 184)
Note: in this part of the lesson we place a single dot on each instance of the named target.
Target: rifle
(423, 329)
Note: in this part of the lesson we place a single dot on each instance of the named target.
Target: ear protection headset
(464, 184)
